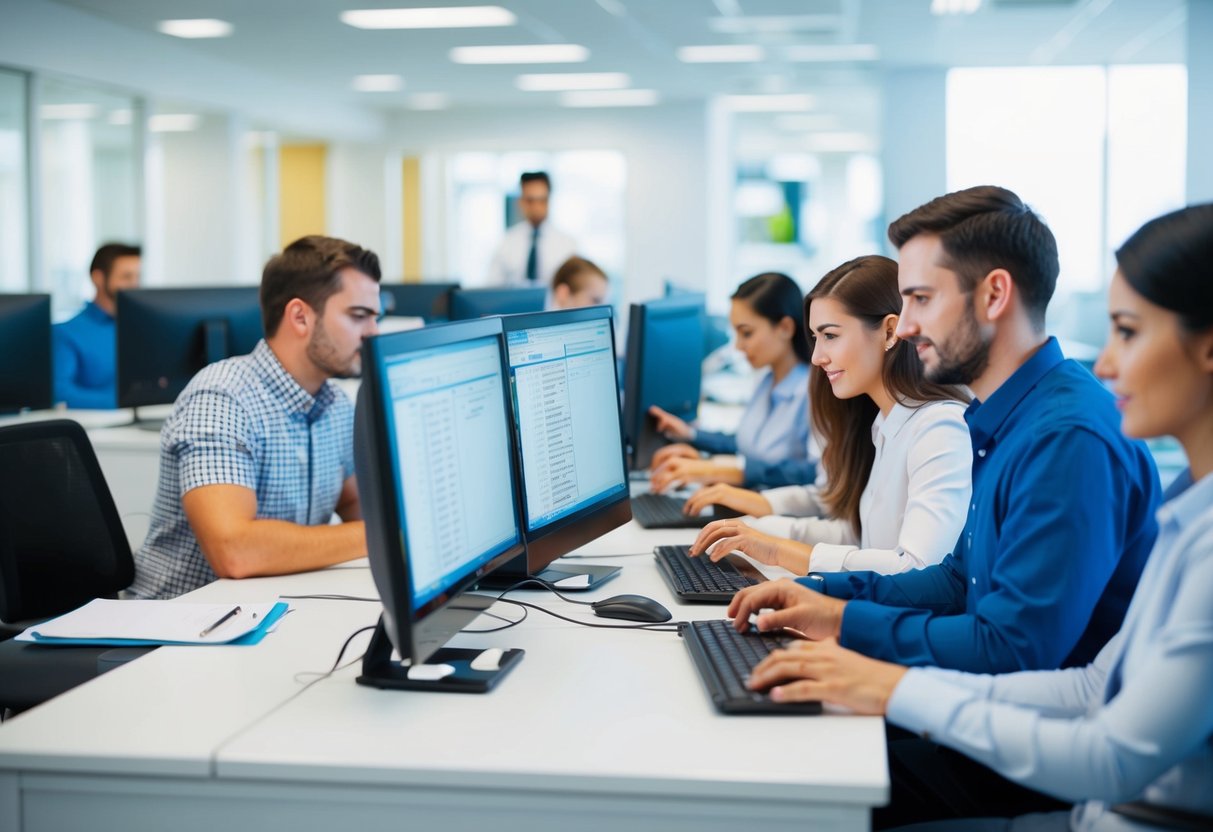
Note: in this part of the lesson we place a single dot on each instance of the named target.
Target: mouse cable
(328, 597)
(337, 665)
(597, 557)
(656, 626)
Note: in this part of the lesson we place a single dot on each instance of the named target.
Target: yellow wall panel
(411, 214)
(300, 190)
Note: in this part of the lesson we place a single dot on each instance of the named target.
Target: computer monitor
(165, 336)
(477, 303)
(437, 476)
(430, 301)
(565, 400)
(665, 350)
(25, 353)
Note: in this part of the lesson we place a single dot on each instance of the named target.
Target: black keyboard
(698, 579)
(661, 511)
(724, 659)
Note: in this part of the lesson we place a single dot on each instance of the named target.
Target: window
(14, 222)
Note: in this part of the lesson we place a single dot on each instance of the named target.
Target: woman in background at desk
(773, 436)
(1129, 738)
(893, 486)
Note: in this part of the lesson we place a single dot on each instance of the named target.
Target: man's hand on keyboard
(720, 537)
(739, 499)
(815, 615)
(810, 671)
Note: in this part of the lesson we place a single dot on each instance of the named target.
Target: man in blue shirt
(85, 347)
(1062, 513)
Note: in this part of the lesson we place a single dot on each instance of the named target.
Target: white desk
(592, 730)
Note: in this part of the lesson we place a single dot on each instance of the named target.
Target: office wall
(362, 200)
(913, 141)
(302, 172)
(1200, 100)
(199, 214)
(665, 149)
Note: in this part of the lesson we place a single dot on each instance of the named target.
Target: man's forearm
(276, 547)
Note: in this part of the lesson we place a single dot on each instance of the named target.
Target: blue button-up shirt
(244, 421)
(1059, 528)
(773, 434)
(85, 358)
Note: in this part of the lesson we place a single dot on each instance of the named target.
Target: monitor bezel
(36, 362)
(564, 534)
(416, 632)
(476, 297)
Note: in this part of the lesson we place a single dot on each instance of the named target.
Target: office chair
(61, 545)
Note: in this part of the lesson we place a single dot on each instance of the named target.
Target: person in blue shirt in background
(1129, 737)
(773, 436)
(85, 349)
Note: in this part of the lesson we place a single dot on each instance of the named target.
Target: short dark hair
(1167, 262)
(535, 176)
(775, 296)
(103, 260)
(987, 228)
(309, 269)
(571, 270)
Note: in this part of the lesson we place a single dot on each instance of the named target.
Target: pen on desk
(234, 611)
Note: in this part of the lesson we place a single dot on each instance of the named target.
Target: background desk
(593, 730)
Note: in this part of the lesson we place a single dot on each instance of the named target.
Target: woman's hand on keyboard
(720, 537)
(822, 671)
(678, 450)
(718, 494)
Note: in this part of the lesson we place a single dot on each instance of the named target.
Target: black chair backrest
(61, 540)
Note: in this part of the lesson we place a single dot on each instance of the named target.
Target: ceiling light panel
(722, 54)
(831, 52)
(561, 81)
(455, 17)
(770, 103)
(610, 98)
(173, 122)
(204, 27)
(377, 83)
(542, 53)
(954, 6)
(776, 24)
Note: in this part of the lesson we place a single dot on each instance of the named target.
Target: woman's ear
(787, 327)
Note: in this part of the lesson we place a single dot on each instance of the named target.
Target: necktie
(532, 260)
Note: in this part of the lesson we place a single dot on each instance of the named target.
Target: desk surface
(588, 717)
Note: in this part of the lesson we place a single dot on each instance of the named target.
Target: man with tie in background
(532, 250)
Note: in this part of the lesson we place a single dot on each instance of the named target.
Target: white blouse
(912, 509)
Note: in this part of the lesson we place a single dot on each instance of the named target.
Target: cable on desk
(337, 665)
(599, 557)
(328, 597)
(660, 627)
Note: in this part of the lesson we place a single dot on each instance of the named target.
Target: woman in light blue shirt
(1129, 738)
(772, 438)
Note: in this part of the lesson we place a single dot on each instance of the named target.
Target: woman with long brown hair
(895, 476)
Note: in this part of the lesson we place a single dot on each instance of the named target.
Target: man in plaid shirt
(257, 454)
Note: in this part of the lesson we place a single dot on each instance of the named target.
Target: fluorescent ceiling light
(803, 122)
(202, 27)
(721, 54)
(541, 53)
(377, 83)
(770, 103)
(120, 118)
(610, 98)
(455, 17)
(832, 52)
(840, 143)
(68, 112)
(560, 81)
(954, 6)
(173, 122)
(429, 101)
(768, 24)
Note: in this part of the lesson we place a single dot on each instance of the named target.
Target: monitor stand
(153, 425)
(564, 578)
(453, 667)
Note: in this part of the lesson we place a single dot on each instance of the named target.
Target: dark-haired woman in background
(1136, 724)
(773, 435)
(896, 470)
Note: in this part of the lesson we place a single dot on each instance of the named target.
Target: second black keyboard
(699, 579)
(724, 659)
(661, 511)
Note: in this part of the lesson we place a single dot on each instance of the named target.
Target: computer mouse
(631, 608)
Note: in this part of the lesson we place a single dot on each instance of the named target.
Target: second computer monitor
(25, 352)
(165, 336)
(566, 413)
(665, 353)
(429, 301)
(477, 303)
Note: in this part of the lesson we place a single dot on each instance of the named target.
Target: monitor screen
(451, 451)
(665, 353)
(565, 401)
(476, 303)
(435, 460)
(25, 352)
(165, 336)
